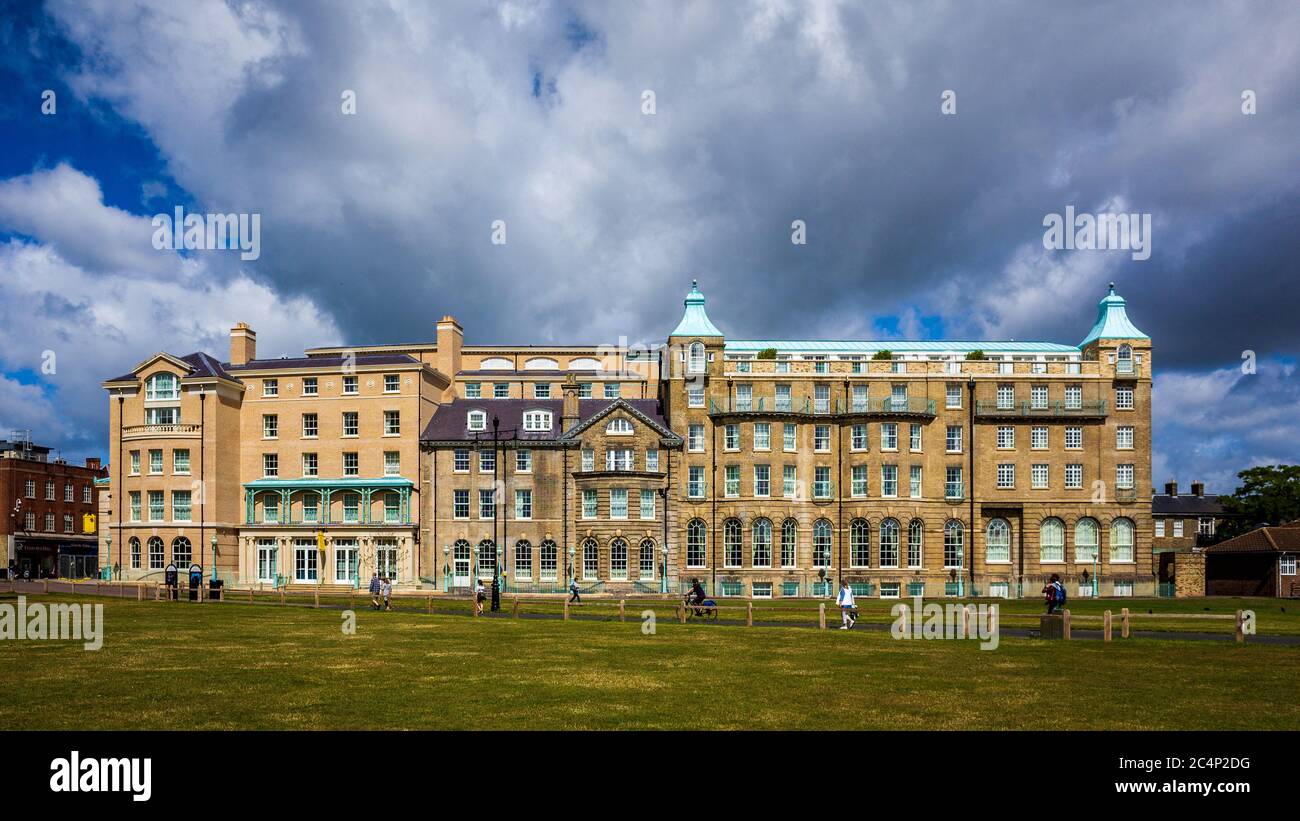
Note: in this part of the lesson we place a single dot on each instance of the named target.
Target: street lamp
(214, 556)
(108, 555)
(446, 567)
(473, 552)
(571, 571)
(663, 582)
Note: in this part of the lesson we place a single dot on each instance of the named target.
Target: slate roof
(448, 422)
(322, 362)
(1281, 539)
(200, 364)
(1186, 504)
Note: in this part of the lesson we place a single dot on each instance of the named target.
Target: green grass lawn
(230, 666)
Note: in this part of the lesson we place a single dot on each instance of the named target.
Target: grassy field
(244, 667)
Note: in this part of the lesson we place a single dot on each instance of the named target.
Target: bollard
(681, 612)
(1123, 622)
(250, 595)
(1065, 624)
(316, 594)
(431, 605)
(621, 605)
(566, 609)
(515, 613)
(281, 595)
(45, 585)
(821, 615)
(965, 620)
(1105, 626)
(1241, 636)
(749, 614)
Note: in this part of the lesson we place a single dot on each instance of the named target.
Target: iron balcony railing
(1127, 368)
(1049, 409)
(913, 406)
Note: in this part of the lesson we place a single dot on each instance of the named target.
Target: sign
(88, 523)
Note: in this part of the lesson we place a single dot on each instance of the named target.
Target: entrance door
(345, 561)
(304, 561)
(266, 560)
(386, 559)
(460, 569)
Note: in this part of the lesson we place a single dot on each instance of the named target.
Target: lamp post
(663, 582)
(446, 567)
(108, 557)
(498, 570)
(214, 556)
(1095, 590)
(570, 571)
(473, 554)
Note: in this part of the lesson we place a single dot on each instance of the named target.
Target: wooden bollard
(1241, 636)
(1105, 626)
(622, 614)
(749, 614)
(965, 620)
(431, 605)
(139, 593)
(681, 612)
(566, 609)
(316, 594)
(1065, 624)
(821, 615)
(250, 595)
(1123, 622)
(515, 612)
(281, 595)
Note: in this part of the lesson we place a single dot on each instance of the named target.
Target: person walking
(845, 601)
(387, 590)
(1054, 594)
(375, 587)
(573, 588)
(479, 596)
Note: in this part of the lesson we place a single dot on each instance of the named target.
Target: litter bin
(1051, 626)
(214, 589)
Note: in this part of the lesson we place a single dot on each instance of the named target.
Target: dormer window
(476, 420)
(619, 427)
(162, 386)
(537, 420)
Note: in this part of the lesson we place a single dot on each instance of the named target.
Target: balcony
(888, 406)
(176, 431)
(1052, 410)
(1127, 369)
(1125, 495)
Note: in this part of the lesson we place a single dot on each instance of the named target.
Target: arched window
(590, 560)
(487, 559)
(889, 543)
(584, 363)
(860, 543)
(182, 553)
(618, 559)
(541, 363)
(618, 426)
(789, 543)
(548, 561)
(647, 565)
(1085, 540)
(953, 540)
(155, 553)
(731, 543)
(1125, 359)
(821, 543)
(696, 364)
(998, 545)
(496, 363)
(761, 543)
(915, 531)
(1051, 540)
(523, 559)
(460, 555)
(1121, 540)
(162, 386)
(135, 553)
(697, 543)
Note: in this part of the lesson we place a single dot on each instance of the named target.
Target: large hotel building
(760, 467)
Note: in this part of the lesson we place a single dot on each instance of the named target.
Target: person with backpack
(845, 601)
(573, 588)
(1054, 594)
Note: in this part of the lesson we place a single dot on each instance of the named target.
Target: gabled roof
(1280, 539)
(322, 362)
(655, 422)
(196, 365)
(448, 422)
(695, 321)
(1186, 504)
(1112, 321)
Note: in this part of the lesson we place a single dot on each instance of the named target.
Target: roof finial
(695, 284)
(1112, 288)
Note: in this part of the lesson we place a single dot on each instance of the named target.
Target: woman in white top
(845, 601)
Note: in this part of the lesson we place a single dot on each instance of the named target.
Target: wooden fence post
(965, 620)
(566, 609)
(1241, 637)
(1105, 626)
(431, 605)
(749, 614)
(316, 594)
(821, 615)
(1123, 622)
(515, 614)
(281, 595)
(622, 614)
(681, 612)
(1065, 624)
(250, 595)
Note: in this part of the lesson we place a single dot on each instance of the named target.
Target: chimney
(1171, 488)
(92, 462)
(450, 338)
(243, 344)
(570, 412)
(1198, 488)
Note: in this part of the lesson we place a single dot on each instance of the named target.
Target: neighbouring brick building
(45, 530)
(1261, 562)
(1182, 523)
(762, 467)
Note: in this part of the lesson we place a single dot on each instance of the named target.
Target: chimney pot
(1198, 488)
(1171, 488)
(243, 344)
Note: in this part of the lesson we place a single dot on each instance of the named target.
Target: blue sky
(920, 224)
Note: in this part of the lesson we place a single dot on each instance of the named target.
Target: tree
(976, 355)
(883, 355)
(766, 353)
(1269, 494)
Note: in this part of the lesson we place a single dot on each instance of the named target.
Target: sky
(921, 144)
